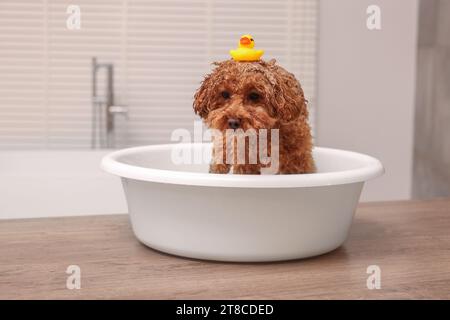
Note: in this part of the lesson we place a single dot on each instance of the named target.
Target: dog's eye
(254, 96)
(225, 95)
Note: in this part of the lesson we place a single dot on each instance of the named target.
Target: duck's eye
(225, 95)
(254, 96)
(251, 39)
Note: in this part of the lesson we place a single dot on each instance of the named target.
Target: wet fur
(281, 105)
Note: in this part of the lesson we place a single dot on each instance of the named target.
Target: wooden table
(409, 241)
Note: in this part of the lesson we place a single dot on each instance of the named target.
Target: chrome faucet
(104, 110)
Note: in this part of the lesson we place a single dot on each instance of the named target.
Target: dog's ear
(201, 97)
(204, 94)
(288, 99)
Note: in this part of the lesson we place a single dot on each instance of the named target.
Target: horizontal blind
(160, 51)
(22, 80)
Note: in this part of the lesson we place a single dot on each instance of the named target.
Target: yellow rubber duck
(245, 51)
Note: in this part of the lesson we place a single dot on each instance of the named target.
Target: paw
(219, 168)
(247, 169)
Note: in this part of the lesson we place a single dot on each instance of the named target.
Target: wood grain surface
(409, 241)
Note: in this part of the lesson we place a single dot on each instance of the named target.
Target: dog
(256, 95)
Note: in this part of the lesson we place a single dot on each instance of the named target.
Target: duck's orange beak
(245, 41)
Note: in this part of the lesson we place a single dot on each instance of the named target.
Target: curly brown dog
(257, 95)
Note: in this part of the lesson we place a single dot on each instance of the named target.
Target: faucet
(104, 110)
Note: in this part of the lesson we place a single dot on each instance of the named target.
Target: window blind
(160, 50)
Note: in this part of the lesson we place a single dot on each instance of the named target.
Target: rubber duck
(245, 51)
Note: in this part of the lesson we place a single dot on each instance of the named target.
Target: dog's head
(258, 95)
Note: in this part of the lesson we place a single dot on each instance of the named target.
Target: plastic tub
(186, 211)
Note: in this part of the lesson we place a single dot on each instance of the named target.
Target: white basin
(186, 211)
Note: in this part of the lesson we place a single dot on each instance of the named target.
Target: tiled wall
(431, 176)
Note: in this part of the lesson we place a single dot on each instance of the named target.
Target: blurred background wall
(431, 176)
(382, 92)
(366, 87)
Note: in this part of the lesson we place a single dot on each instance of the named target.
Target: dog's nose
(234, 123)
